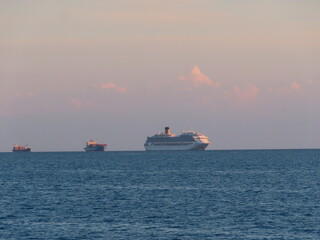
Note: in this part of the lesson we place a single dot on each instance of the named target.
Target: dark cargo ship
(17, 148)
(93, 146)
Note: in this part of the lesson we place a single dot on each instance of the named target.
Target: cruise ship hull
(192, 146)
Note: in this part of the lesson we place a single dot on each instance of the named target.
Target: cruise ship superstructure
(188, 140)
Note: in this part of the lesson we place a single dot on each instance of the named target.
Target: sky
(245, 73)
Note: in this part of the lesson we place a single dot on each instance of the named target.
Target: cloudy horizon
(244, 73)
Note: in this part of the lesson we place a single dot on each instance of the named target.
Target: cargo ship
(17, 148)
(93, 146)
(188, 140)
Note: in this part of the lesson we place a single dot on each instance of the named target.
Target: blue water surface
(257, 194)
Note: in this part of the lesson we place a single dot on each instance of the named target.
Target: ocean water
(267, 194)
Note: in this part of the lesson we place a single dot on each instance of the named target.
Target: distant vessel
(17, 148)
(188, 140)
(93, 146)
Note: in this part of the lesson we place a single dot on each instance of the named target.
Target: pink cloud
(290, 88)
(309, 81)
(108, 85)
(295, 86)
(248, 92)
(197, 78)
(242, 94)
(25, 95)
(111, 85)
(80, 104)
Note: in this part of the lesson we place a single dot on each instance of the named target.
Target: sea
(219, 194)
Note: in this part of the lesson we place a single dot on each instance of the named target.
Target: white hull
(191, 146)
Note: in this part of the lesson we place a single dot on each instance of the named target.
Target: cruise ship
(188, 140)
(93, 146)
(17, 148)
